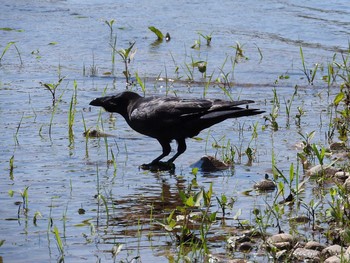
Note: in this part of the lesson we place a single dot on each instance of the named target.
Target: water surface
(64, 174)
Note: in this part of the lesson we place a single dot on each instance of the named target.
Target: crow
(172, 118)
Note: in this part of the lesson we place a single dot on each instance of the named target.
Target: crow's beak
(96, 102)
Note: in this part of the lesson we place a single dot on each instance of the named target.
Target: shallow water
(65, 174)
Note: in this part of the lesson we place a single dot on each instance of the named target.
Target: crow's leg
(181, 148)
(166, 150)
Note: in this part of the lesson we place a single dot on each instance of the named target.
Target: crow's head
(117, 103)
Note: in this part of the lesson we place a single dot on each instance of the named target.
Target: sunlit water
(61, 38)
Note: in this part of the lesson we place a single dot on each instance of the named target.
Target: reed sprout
(9, 44)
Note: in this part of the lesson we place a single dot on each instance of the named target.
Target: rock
(265, 186)
(303, 254)
(347, 184)
(210, 164)
(314, 245)
(237, 241)
(347, 253)
(332, 259)
(337, 146)
(319, 169)
(245, 247)
(341, 175)
(332, 250)
(281, 255)
(281, 241)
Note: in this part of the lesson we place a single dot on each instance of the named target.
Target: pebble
(245, 247)
(347, 184)
(304, 253)
(281, 241)
(318, 169)
(265, 185)
(332, 259)
(337, 146)
(341, 175)
(314, 245)
(332, 250)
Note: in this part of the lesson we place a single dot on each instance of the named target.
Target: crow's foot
(158, 166)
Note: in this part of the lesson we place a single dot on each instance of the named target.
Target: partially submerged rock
(338, 146)
(319, 170)
(265, 185)
(210, 164)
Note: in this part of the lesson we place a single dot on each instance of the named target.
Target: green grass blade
(156, 31)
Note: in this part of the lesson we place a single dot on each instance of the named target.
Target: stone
(304, 253)
(332, 250)
(314, 245)
(341, 175)
(245, 247)
(265, 185)
(347, 184)
(322, 169)
(333, 259)
(337, 146)
(281, 241)
(210, 164)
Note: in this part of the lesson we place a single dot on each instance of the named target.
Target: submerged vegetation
(198, 213)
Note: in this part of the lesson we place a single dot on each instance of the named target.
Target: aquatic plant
(309, 73)
(11, 162)
(311, 208)
(201, 65)
(141, 83)
(157, 32)
(92, 70)
(342, 99)
(192, 217)
(59, 243)
(99, 197)
(225, 203)
(197, 44)
(24, 195)
(208, 38)
(72, 111)
(239, 54)
(127, 55)
(288, 105)
(52, 88)
(55, 106)
(110, 25)
(272, 117)
(9, 44)
(300, 113)
(17, 130)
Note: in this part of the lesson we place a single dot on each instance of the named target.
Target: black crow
(172, 118)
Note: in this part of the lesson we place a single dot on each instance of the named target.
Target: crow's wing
(175, 109)
(168, 108)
